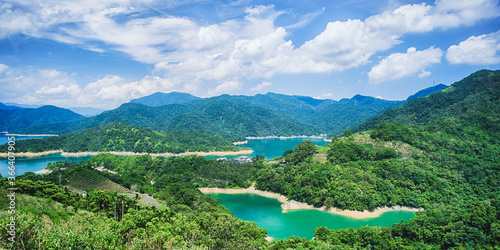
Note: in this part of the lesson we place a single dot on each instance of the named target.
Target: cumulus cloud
(226, 87)
(479, 50)
(261, 86)
(3, 68)
(399, 65)
(221, 56)
(43, 86)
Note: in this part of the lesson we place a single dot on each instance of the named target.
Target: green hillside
(476, 94)
(12, 120)
(121, 137)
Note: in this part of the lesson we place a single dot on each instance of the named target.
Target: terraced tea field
(90, 179)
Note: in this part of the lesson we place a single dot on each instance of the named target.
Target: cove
(269, 147)
(267, 213)
(273, 147)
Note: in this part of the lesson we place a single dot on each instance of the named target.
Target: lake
(267, 213)
(270, 147)
(273, 147)
(32, 164)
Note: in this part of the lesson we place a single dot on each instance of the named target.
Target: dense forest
(233, 116)
(16, 119)
(445, 160)
(120, 137)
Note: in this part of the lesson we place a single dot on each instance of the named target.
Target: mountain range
(234, 117)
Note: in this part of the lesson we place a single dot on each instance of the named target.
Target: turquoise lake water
(267, 213)
(28, 164)
(271, 148)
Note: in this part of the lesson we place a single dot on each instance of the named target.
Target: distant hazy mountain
(31, 106)
(3, 106)
(427, 91)
(11, 120)
(160, 99)
(87, 111)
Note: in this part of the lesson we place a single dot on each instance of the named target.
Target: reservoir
(267, 213)
(270, 147)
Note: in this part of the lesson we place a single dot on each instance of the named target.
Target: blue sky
(103, 53)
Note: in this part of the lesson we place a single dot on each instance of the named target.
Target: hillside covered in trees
(120, 137)
(234, 117)
(16, 119)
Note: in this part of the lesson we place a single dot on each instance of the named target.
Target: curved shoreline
(284, 137)
(293, 205)
(77, 154)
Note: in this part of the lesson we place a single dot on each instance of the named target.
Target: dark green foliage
(476, 94)
(471, 225)
(230, 118)
(15, 119)
(121, 137)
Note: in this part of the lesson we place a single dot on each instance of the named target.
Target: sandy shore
(291, 205)
(250, 190)
(44, 171)
(32, 135)
(78, 154)
(30, 154)
(240, 142)
(215, 153)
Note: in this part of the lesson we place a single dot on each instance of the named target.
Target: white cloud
(226, 87)
(43, 86)
(424, 74)
(324, 96)
(480, 50)
(3, 68)
(195, 56)
(400, 65)
(262, 85)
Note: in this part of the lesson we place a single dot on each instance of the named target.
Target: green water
(267, 213)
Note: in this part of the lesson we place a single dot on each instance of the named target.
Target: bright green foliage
(300, 152)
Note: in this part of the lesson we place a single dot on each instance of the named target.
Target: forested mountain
(161, 99)
(324, 116)
(475, 94)
(234, 116)
(11, 120)
(235, 120)
(120, 137)
(427, 91)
